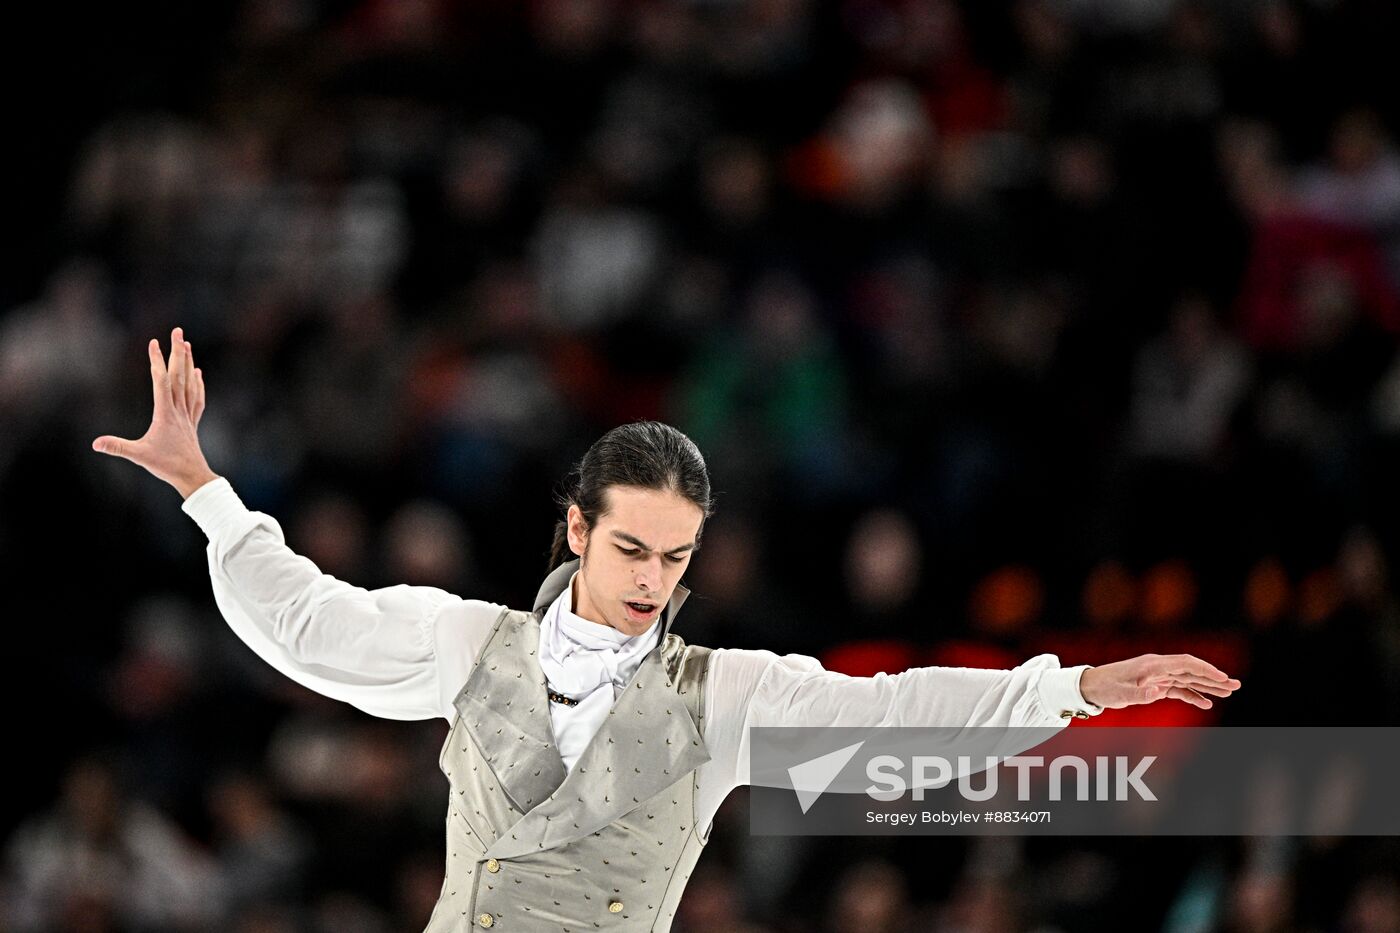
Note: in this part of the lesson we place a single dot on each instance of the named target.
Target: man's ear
(578, 530)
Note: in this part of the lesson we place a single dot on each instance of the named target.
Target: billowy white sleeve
(760, 688)
(385, 651)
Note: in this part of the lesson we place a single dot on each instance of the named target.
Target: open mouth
(641, 611)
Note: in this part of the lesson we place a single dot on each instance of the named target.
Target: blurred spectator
(982, 906)
(348, 388)
(1374, 906)
(872, 897)
(1188, 383)
(59, 353)
(481, 393)
(428, 546)
(1260, 901)
(873, 149)
(1360, 186)
(103, 860)
(715, 905)
(331, 531)
(771, 398)
(884, 567)
(154, 690)
(595, 261)
(261, 852)
(736, 185)
(1311, 282)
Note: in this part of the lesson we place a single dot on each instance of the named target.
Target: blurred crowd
(1005, 327)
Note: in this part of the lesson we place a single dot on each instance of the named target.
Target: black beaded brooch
(560, 698)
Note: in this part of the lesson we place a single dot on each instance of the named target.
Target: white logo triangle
(811, 778)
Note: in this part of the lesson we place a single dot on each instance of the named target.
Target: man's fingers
(1203, 686)
(1213, 687)
(190, 389)
(1229, 683)
(1192, 666)
(160, 380)
(177, 368)
(1188, 695)
(116, 446)
(198, 395)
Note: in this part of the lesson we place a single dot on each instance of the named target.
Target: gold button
(1078, 714)
(493, 866)
(486, 920)
(614, 907)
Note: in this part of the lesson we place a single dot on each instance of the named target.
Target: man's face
(633, 557)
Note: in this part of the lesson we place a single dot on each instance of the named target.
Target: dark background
(1004, 327)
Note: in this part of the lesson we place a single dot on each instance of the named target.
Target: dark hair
(644, 454)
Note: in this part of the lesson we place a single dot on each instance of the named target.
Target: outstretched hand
(1152, 677)
(169, 449)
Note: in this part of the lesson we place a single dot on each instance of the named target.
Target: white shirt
(404, 652)
(588, 662)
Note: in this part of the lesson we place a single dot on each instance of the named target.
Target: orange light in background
(1007, 600)
(1319, 596)
(1169, 593)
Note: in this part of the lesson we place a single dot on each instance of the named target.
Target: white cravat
(588, 662)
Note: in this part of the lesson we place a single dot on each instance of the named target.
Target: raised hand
(1152, 677)
(169, 449)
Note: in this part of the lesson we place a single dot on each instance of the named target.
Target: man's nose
(649, 574)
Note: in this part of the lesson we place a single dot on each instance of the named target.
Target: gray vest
(610, 845)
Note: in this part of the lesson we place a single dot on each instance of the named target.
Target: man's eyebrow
(638, 542)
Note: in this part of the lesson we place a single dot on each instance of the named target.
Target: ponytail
(559, 551)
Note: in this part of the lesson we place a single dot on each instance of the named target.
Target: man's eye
(630, 551)
(675, 558)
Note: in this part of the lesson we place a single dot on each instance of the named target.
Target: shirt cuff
(214, 506)
(1060, 696)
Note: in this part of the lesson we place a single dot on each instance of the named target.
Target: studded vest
(607, 846)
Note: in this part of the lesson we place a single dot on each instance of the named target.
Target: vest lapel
(505, 707)
(647, 742)
(505, 704)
